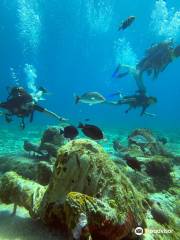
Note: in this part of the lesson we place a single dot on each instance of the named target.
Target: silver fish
(90, 98)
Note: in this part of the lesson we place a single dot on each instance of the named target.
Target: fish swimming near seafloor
(126, 23)
(90, 98)
(70, 132)
(91, 131)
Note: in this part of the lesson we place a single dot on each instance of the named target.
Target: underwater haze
(70, 49)
(73, 47)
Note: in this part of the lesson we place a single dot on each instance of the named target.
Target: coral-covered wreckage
(147, 154)
(147, 162)
(88, 195)
(76, 187)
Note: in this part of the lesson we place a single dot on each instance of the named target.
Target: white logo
(139, 231)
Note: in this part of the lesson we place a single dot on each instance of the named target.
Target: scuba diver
(22, 104)
(156, 59)
(138, 100)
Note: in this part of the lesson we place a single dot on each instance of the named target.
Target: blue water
(71, 46)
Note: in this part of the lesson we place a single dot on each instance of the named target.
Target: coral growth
(21, 192)
(149, 144)
(85, 181)
(159, 168)
(147, 154)
(51, 140)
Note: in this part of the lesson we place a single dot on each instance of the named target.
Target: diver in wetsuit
(139, 100)
(156, 59)
(21, 104)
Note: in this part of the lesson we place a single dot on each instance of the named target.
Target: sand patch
(21, 226)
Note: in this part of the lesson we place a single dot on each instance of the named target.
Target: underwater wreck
(88, 195)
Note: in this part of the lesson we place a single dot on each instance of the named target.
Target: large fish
(90, 98)
(70, 132)
(126, 23)
(91, 131)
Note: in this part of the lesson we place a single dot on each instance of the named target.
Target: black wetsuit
(134, 101)
(156, 59)
(21, 106)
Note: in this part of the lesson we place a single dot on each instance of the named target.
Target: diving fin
(114, 75)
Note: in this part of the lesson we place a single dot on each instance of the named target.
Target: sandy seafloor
(21, 226)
